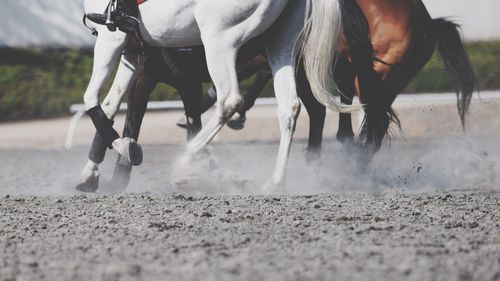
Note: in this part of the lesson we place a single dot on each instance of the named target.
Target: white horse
(223, 26)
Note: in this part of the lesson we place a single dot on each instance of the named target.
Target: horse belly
(170, 23)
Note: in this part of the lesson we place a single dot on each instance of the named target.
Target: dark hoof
(237, 123)
(135, 155)
(182, 123)
(345, 138)
(89, 186)
(313, 155)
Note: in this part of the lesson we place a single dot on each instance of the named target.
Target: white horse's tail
(323, 35)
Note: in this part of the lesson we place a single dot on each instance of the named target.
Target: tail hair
(456, 62)
(323, 33)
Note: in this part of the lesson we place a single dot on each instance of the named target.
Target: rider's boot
(124, 16)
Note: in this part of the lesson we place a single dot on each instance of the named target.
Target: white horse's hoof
(90, 185)
(272, 188)
(89, 179)
(179, 175)
(237, 122)
(130, 150)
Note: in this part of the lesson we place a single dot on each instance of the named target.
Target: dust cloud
(233, 169)
(415, 166)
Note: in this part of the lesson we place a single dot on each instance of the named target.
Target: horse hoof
(272, 188)
(90, 185)
(345, 138)
(182, 122)
(135, 154)
(237, 123)
(130, 150)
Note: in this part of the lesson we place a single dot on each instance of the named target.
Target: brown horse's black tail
(456, 62)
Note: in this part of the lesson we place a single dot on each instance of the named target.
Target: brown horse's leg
(344, 77)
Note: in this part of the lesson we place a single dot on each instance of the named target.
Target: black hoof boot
(89, 186)
(237, 122)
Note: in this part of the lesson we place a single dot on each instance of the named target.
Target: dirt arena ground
(427, 208)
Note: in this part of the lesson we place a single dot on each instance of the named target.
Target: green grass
(43, 83)
(485, 58)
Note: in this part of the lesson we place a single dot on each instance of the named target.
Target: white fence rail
(404, 100)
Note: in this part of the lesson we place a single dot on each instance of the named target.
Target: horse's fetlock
(234, 102)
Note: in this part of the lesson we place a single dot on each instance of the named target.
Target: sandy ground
(426, 208)
(349, 236)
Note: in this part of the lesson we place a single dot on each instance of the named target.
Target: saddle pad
(139, 2)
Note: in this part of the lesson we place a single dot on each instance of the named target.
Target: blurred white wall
(480, 19)
(43, 23)
(58, 23)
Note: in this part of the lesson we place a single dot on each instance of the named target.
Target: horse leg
(125, 76)
(191, 93)
(208, 99)
(262, 77)
(316, 112)
(288, 112)
(344, 77)
(137, 104)
(106, 53)
(281, 53)
(222, 67)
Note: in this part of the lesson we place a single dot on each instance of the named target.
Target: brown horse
(403, 38)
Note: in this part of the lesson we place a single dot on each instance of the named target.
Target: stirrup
(97, 18)
(127, 24)
(102, 19)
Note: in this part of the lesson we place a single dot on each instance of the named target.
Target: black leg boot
(132, 150)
